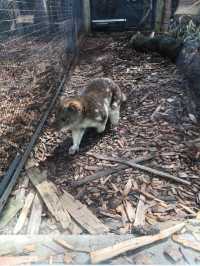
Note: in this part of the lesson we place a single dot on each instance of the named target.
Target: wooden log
(185, 54)
(165, 45)
(132, 244)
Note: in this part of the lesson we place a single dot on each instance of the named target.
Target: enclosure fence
(38, 39)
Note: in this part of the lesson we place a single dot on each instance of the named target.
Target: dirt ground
(155, 119)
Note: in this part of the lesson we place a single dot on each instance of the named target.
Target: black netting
(36, 39)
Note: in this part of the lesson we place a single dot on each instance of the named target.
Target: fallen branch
(135, 164)
(110, 171)
(132, 244)
(148, 195)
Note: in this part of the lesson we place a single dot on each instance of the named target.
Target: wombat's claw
(73, 150)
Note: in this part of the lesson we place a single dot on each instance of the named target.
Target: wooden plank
(140, 211)
(35, 218)
(20, 260)
(24, 213)
(14, 205)
(132, 244)
(82, 215)
(130, 211)
(74, 229)
(50, 196)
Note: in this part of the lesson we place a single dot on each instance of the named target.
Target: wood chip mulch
(155, 120)
(29, 75)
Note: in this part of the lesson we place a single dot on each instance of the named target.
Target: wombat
(99, 102)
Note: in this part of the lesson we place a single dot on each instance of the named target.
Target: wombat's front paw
(101, 128)
(73, 149)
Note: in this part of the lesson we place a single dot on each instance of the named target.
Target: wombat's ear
(75, 106)
(72, 108)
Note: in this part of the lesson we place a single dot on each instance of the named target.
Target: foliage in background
(185, 30)
(186, 26)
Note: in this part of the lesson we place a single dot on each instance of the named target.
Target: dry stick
(110, 171)
(148, 195)
(132, 244)
(134, 164)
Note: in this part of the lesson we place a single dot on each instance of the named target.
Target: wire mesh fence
(37, 40)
